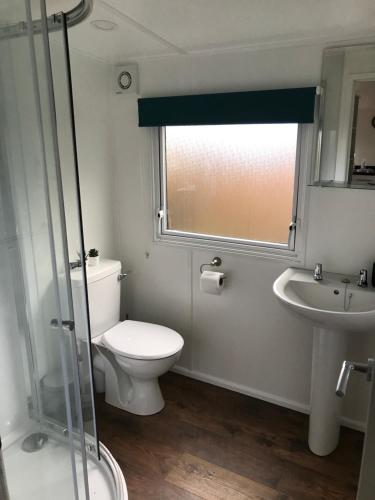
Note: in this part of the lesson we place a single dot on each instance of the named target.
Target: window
(230, 183)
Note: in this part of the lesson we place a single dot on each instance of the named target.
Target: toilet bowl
(133, 354)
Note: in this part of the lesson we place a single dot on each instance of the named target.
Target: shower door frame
(49, 24)
(93, 447)
(62, 325)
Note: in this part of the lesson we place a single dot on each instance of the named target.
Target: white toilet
(133, 354)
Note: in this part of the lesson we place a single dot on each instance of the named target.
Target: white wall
(243, 339)
(91, 93)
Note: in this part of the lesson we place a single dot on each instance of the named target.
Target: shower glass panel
(72, 208)
(45, 372)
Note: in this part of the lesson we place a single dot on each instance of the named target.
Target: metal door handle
(347, 368)
(66, 324)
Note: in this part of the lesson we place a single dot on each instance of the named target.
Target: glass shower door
(43, 435)
(65, 126)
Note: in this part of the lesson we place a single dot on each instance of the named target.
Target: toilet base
(133, 384)
(144, 398)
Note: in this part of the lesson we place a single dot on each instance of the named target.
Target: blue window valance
(260, 106)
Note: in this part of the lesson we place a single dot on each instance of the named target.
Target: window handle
(160, 215)
(292, 232)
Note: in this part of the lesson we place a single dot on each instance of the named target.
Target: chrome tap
(318, 272)
(362, 282)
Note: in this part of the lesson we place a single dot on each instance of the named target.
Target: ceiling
(148, 28)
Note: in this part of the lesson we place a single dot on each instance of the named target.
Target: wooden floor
(212, 443)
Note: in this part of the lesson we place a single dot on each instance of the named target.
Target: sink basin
(337, 307)
(331, 303)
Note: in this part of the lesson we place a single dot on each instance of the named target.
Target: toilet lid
(138, 340)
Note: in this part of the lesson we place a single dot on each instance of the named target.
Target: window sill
(260, 251)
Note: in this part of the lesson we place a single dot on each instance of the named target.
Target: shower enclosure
(48, 434)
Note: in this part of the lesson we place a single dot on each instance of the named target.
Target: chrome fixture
(347, 368)
(362, 282)
(122, 276)
(66, 324)
(216, 261)
(318, 272)
(73, 17)
(79, 13)
(34, 442)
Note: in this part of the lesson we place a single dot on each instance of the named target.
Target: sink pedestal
(329, 352)
(337, 308)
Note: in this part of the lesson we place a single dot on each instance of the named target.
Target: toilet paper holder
(216, 261)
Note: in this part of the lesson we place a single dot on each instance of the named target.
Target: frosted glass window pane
(233, 181)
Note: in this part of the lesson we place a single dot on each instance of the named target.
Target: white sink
(330, 303)
(337, 307)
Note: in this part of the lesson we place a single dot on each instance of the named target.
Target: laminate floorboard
(211, 443)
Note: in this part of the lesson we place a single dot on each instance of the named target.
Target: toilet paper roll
(212, 282)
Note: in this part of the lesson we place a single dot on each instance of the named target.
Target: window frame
(293, 250)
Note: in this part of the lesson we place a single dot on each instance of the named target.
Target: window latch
(160, 215)
(292, 232)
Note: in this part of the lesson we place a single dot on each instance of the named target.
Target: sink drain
(34, 442)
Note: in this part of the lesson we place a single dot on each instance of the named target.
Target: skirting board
(264, 396)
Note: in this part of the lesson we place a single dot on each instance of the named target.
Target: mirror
(346, 135)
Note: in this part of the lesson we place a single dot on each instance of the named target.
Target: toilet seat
(139, 340)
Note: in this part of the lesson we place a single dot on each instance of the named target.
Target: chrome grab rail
(347, 368)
